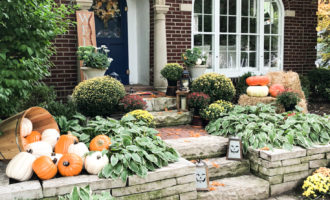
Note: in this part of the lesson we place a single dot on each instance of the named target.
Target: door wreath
(106, 10)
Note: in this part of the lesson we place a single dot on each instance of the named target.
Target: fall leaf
(158, 134)
(186, 141)
(179, 112)
(216, 183)
(215, 165)
(265, 148)
(193, 161)
(212, 188)
(177, 133)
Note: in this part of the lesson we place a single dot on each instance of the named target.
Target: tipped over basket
(11, 141)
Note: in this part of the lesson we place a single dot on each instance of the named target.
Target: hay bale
(245, 100)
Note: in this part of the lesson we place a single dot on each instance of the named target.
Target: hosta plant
(86, 193)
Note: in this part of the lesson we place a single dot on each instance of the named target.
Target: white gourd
(56, 157)
(79, 148)
(40, 149)
(50, 136)
(257, 91)
(26, 127)
(95, 162)
(20, 167)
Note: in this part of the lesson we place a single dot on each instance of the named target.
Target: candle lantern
(181, 100)
(202, 176)
(234, 151)
(185, 81)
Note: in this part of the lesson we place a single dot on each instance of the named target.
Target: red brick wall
(64, 73)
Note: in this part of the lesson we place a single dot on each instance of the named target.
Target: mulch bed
(319, 108)
(183, 131)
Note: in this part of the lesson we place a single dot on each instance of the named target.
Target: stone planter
(197, 71)
(90, 73)
(84, 4)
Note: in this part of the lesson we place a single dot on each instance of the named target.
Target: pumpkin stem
(66, 163)
(98, 157)
(55, 160)
(53, 154)
(75, 142)
(100, 142)
(29, 151)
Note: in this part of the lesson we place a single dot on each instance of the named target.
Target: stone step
(171, 118)
(221, 167)
(238, 188)
(160, 103)
(200, 147)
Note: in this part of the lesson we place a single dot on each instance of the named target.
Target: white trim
(238, 70)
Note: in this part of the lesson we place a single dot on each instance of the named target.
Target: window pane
(274, 59)
(223, 41)
(223, 24)
(274, 43)
(232, 24)
(275, 26)
(245, 7)
(231, 59)
(274, 10)
(244, 59)
(200, 23)
(244, 43)
(252, 60)
(245, 25)
(208, 7)
(223, 60)
(267, 26)
(198, 6)
(232, 7)
(198, 39)
(232, 41)
(207, 43)
(253, 8)
(266, 59)
(266, 43)
(207, 23)
(253, 25)
(223, 7)
(253, 42)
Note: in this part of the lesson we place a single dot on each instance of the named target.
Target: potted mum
(95, 60)
(172, 72)
(195, 61)
(198, 101)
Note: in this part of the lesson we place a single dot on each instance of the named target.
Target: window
(239, 35)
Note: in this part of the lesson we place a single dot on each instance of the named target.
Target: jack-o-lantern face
(200, 176)
(234, 148)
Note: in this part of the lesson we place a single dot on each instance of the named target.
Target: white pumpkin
(78, 148)
(95, 162)
(257, 91)
(56, 157)
(40, 149)
(50, 136)
(26, 127)
(20, 167)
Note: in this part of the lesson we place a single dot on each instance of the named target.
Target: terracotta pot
(90, 73)
(197, 121)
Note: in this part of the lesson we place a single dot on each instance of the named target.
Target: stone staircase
(235, 176)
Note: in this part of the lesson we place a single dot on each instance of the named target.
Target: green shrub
(98, 96)
(216, 109)
(320, 81)
(172, 71)
(142, 115)
(217, 86)
(40, 95)
(241, 85)
(58, 108)
(288, 100)
(305, 85)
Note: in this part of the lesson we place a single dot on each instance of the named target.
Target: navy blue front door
(113, 34)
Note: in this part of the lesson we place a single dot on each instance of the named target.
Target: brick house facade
(299, 53)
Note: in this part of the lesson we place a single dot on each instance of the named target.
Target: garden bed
(285, 170)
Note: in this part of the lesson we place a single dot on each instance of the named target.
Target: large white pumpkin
(20, 167)
(257, 91)
(56, 157)
(40, 149)
(95, 162)
(78, 148)
(26, 127)
(50, 136)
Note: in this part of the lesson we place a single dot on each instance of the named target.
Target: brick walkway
(183, 131)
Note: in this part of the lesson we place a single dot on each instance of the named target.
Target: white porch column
(160, 46)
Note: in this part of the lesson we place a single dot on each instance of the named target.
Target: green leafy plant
(214, 111)
(27, 31)
(305, 85)
(320, 81)
(85, 193)
(288, 100)
(217, 86)
(98, 96)
(40, 94)
(241, 85)
(198, 101)
(260, 126)
(194, 56)
(172, 71)
(59, 108)
(144, 116)
(95, 57)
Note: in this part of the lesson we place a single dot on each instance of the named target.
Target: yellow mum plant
(143, 115)
(317, 186)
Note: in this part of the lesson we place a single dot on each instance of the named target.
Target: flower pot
(197, 70)
(84, 4)
(171, 88)
(90, 73)
(197, 121)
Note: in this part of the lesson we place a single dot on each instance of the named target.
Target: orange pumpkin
(64, 142)
(70, 164)
(257, 80)
(35, 136)
(276, 89)
(99, 143)
(44, 167)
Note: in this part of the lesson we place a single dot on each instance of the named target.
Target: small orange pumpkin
(64, 142)
(35, 136)
(44, 167)
(99, 143)
(276, 89)
(257, 80)
(70, 164)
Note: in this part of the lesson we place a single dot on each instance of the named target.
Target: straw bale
(245, 100)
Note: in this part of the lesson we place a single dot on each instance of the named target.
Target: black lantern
(185, 81)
